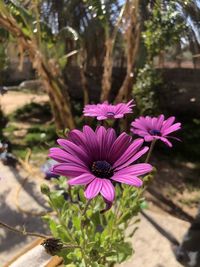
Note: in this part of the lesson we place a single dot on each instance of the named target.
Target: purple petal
(100, 118)
(101, 138)
(126, 179)
(136, 169)
(110, 137)
(134, 158)
(68, 169)
(172, 128)
(74, 149)
(141, 133)
(119, 116)
(83, 179)
(93, 188)
(130, 151)
(154, 122)
(149, 138)
(77, 137)
(62, 156)
(167, 123)
(118, 147)
(138, 125)
(160, 122)
(108, 190)
(166, 141)
(91, 142)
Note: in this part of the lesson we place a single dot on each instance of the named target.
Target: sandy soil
(13, 100)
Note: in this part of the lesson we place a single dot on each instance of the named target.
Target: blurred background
(57, 56)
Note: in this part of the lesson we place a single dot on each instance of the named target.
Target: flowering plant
(101, 185)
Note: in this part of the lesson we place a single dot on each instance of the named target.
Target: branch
(22, 231)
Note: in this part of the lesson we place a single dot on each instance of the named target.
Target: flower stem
(67, 246)
(150, 151)
(86, 206)
(22, 232)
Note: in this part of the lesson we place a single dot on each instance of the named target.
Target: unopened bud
(45, 189)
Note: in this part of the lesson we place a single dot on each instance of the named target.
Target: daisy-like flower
(99, 159)
(153, 128)
(106, 111)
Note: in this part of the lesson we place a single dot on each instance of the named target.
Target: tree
(34, 37)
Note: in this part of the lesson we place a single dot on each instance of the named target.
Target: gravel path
(151, 248)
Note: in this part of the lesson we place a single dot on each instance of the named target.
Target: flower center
(155, 132)
(110, 114)
(102, 169)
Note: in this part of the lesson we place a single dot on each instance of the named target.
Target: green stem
(150, 151)
(86, 206)
(67, 246)
(60, 219)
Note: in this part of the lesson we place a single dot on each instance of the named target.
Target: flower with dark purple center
(155, 132)
(110, 114)
(153, 128)
(108, 111)
(102, 169)
(98, 159)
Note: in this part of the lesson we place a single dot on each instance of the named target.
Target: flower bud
(45, 189)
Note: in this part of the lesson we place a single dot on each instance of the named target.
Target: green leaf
(53, 228)
(125, 217)
(77, 222)
(57, 199)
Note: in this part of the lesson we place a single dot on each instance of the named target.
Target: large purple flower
(108, 111)
(152, 128)
(98, 159)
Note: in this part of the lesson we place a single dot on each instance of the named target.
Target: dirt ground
(15, 99)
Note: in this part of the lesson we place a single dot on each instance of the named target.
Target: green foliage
(34, 111)
(144, 91)
(164, 28)
(100, 237)
(37, 133)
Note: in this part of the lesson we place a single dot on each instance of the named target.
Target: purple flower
(108, 111)
(153, 128)
(46, 169)
(99, 159)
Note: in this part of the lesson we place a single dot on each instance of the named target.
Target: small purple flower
(99, 159)
(153, 128)
(46, 169)
(108, 111)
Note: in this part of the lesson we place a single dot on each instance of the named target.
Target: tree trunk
(108, 59)
(49, 74)
(132, 40)
(84, 81)
(107, 73)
